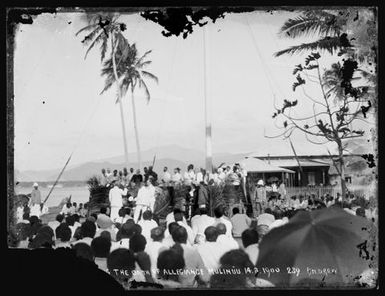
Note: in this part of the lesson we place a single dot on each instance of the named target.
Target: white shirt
(168, 242)
(227, 243)
(190, 233)
(147, 226)
(193, 218)
(170, 218)
(189, 177)
(153, 249)
(240, 223)
(253, 252)
(86, 240)
(222, 176)
(54, 225)
(146, 197)
(115, 196)
(229, 226)
(177, 178)
(200, 224)
(166, 177)
(211, 254)
(199, 177)
(193, 261)
(124, 243)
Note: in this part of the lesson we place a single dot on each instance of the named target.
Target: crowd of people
(224, 174)
(133, 245)
(177, 252)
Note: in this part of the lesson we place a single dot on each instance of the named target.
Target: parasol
(326, 247)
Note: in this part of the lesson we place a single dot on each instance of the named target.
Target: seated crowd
(175, 255)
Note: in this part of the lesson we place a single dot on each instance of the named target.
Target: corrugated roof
(257, 165)
(293, 163)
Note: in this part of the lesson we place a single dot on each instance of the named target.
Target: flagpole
(209, 158)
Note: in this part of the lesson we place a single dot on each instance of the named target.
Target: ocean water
(80, 194)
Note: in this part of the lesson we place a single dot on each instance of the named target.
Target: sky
(59, 109)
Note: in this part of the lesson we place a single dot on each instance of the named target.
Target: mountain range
(171, 156)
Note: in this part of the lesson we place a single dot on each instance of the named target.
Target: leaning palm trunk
(136, 128)
(120, 101)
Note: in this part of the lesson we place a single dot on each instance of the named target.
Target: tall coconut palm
(326, 25)
(131, 74)
(105, 28)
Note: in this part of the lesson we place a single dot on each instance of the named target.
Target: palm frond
(103, 48)
(86, 28)
(330, 44)
(96, 41)
(144, 64)
(150, 75)
(91, 36)
(143, 85)
(109, 82)
(124, 88)
(143, 56)
(311, 22)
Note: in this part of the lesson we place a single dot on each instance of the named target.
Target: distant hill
(171, 156)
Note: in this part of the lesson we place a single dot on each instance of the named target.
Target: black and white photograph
(193, 148)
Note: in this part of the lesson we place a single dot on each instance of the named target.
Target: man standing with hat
(35, 200)
(116, 200)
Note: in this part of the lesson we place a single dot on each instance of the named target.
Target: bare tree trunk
(136, 129)
(120, 101)
(342, 171)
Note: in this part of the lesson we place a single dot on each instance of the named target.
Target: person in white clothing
(209, 249)
(199, 176)
(227, 243)
(190, 234)
(221, 175)
(250, 239)
(170, 217)
(192, 259)
(189, 176)
(116, 200)
(147, 225)
(145, 199)
(195, 216)
(154, 247)
(168, 241)
(177, 177)
(220, 218)
(203, 221)
(240, 222)
(166, 177)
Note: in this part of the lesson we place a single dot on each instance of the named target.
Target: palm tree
(328, 26)
(130, 72)
(105, 28)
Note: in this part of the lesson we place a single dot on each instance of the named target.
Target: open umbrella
(326, 247)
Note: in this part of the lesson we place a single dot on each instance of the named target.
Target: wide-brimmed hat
(260, 182)
(104, 222)
(35, 185)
